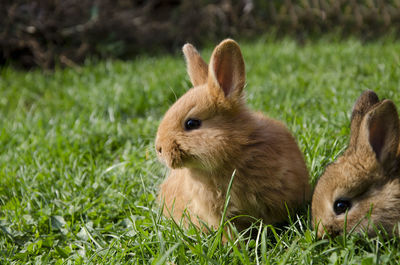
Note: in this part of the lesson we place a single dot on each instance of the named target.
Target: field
(79, 174)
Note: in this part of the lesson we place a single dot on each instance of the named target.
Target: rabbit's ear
(226, 72)
(197, 68)
(380, 130)
(363, 104)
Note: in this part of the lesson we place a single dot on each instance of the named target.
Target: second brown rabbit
(209, 132)
(362, 188)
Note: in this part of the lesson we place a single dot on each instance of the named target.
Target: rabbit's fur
(270, 169)
(366, 175)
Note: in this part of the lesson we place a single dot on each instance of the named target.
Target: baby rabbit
(363, 185)
(209, 132)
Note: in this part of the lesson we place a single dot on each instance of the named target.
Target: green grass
(79, 177)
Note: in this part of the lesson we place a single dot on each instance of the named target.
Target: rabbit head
(199, 128)
(361, 190)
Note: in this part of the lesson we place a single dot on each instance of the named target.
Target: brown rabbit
(363, 184)
(209, 132)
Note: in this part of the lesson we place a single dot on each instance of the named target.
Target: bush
(46, 32)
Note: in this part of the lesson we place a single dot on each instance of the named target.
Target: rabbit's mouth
(171, 163)
(174, 159)
(176, 163)
(328, 230)
(171, 154)
(179, 161)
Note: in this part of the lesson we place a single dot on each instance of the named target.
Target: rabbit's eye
(191, 124)
(341, 206)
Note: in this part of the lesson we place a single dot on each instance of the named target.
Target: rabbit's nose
(159, 149)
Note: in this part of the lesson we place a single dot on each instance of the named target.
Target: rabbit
(209, 133)
(361, 190)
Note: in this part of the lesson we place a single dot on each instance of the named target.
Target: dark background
(47, 33)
